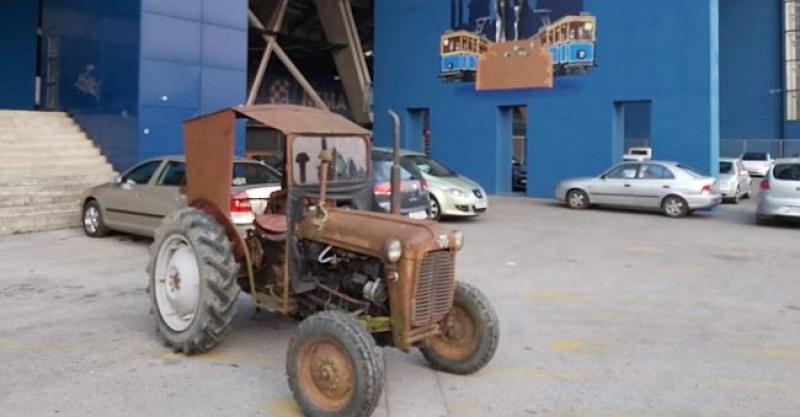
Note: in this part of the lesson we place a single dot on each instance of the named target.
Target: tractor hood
(367, 232)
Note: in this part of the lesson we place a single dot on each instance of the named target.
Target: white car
(638, 154)
(734, 180)
(780, 192)
(757, 163)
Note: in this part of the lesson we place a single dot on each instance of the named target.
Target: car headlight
(393, 250)
(457, 192)
(458, 240)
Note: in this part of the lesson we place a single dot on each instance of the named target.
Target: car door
(165, 196)
(613, 188)
(651, 185)
(126, 207)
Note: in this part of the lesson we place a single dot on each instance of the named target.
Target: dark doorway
(417, 134)
(632, 126)
(512, 150)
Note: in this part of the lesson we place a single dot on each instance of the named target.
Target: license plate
(418, 215)
(481, 204)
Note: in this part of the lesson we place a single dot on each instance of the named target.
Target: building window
(791, 56)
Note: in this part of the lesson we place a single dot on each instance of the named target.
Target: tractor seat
(274, 224)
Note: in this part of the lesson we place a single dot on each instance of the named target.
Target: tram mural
(504, 44)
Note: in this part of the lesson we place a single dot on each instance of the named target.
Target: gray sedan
(136, 201)
(672, 188)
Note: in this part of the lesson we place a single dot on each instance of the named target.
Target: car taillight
(765, 184)
(240, 203)
(423, 184)
(706, 189)
(385, 188)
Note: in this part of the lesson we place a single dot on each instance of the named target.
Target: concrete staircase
(46, 162)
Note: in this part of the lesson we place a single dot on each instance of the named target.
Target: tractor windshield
(349, 159)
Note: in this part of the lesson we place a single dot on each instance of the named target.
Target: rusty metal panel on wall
(509, 65)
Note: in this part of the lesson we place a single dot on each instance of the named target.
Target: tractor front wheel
(193, 285)
(470, 334)
(334, 368)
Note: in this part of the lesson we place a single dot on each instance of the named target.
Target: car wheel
(577, 200)
(737, 198)
(93, 224)
(674, 206)
(436, 209)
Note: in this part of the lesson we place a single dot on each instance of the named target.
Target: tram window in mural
(504, 44)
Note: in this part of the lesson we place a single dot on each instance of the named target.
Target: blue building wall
(644, 54)
(193, 61)
(750, 69)
(131, 71)
(96, 81)
(18, 22)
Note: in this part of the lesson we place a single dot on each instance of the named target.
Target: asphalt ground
(603, 313)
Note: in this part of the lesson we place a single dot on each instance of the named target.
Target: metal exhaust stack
(395, 200)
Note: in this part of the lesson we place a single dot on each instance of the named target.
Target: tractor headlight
(458, 240)
(393, 250)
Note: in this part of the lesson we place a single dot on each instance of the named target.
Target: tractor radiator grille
(435, 288)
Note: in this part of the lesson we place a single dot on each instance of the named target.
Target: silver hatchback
(672, 188)
(780, 192)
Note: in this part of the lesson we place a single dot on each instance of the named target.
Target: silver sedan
(672, 188)
(780, 192)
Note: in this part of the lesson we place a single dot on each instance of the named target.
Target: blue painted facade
(751, 102)
(131, 71)
(18, 22)
(577, 127)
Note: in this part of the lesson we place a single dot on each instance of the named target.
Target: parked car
(672, 188)
(519, 176)
(451, 194)
(780, 192)
(638, 154)
(136, 201)
(757, 163)
(414, 201)
(734, 180)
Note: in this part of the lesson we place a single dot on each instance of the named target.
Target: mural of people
(482, 16)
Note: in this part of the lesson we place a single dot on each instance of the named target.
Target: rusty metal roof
(290, 119)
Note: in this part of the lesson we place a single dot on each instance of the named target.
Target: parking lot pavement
(603, 314)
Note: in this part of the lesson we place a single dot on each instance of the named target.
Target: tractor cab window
(349, 163)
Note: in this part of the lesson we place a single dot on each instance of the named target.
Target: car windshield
(725, 167)
(691, 171)
(754, 156)
(349, 159)
(250, 173)
(431, 167)
(786, 172)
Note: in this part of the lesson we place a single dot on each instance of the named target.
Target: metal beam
(274, 47)
(336, 17)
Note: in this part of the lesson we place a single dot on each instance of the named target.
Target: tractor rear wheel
(334, 368)
(193, 285)
(470, 335)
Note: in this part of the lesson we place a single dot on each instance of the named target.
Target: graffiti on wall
(504, 44)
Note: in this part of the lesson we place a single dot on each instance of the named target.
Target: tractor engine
(346, 280)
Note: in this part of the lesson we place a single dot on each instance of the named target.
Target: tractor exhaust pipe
(395, 198)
